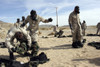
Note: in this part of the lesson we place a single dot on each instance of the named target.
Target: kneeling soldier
(23, 42)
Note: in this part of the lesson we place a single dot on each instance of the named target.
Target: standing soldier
(33, 27)
(23, 19)
(17, 24)
(84, 27)
(74, 23)
(98, 28)
(55, 30)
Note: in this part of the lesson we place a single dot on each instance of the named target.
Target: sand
(60, 51)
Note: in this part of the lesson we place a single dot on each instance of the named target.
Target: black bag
(42, 58)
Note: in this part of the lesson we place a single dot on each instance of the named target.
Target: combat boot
(74, 45)
(80, 44)
(11, 57)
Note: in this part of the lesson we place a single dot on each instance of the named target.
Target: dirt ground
(60, 51)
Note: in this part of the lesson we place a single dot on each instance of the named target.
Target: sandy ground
(61, 53)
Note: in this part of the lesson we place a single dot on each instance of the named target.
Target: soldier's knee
(34, 46)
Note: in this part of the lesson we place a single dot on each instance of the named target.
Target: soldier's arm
(45, 20)
(26, 33)
(70, 21)
(8, 41)
(29, 40)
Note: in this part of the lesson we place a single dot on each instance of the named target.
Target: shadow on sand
(95, 61)
(69, 36)
(7, 56)
(92, 35)
(34, 61)
(95, 44)
(66, 46)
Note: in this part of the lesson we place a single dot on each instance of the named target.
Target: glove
(22, 25)
(50, 19)
(13, 49)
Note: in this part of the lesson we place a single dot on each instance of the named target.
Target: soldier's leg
(34, 46)
(80, 38)
(55, 35)
(84, 32)
(23, 49)
(74, 36)
(60, 34)
(97, 31)
(11, 55)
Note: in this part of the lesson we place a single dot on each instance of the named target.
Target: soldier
(23, 21)
(34, 21)
(59, 34)
(84, 26)
(17, 24)
(74, 23)
(98, 28)
(23, 39)
(55, 30)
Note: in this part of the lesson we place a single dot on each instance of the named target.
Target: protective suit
(21, 46)
(75, 26)
(33, 19)
(34, 26)
(84, 27)
(10, 37)
(98, 28)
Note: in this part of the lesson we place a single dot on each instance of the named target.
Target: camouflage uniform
(33, 30)
(74, 22)
(98, 28)
(10, 37)
(13, 46)
(34, 26)
(84, 26)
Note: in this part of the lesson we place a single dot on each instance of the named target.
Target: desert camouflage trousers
(77, 35)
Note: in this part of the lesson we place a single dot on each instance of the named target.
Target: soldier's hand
(50, 19)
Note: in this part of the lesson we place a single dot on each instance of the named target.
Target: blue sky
(10, 10)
